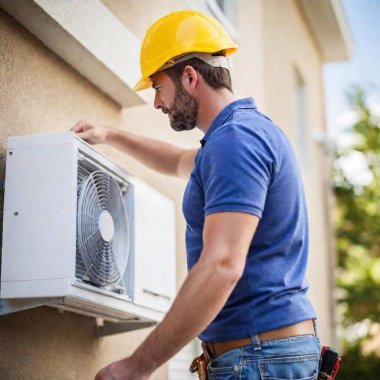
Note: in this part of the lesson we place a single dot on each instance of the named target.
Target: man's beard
(183, 112)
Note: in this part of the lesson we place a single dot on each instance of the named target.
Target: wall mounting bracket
(105, 328)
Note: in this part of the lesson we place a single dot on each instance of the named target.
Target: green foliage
(358, 235)
(358, 219)
(357, 366)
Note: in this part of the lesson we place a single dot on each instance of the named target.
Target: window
(229, 9)
(301, 122)
(225, 11)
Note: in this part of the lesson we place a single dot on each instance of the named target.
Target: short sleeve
(236, 171)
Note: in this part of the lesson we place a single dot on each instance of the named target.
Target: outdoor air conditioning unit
(81, 234)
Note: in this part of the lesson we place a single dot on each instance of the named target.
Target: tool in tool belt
(329, 365)
(199, 364)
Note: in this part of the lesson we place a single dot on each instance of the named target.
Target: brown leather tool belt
(213, 349)
(301, 328)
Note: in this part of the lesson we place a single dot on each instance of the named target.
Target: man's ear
(190, 78)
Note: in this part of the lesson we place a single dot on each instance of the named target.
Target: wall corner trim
(87, 36)
(329, 25)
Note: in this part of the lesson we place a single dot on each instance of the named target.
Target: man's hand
(157, 155)
(121, 370)
(91, 132)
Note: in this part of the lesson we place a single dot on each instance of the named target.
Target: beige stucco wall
(41, 93)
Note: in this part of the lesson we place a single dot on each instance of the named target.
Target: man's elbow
(229, 272)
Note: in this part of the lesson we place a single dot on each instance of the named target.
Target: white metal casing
(39, 232)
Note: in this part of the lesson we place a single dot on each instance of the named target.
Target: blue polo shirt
(246, 164)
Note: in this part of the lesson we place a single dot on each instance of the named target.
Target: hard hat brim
(143, 84)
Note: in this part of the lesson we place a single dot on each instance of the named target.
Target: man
(247, 230)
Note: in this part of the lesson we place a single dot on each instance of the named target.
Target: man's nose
(158, 103)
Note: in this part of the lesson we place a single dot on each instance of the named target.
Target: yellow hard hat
(176, 34)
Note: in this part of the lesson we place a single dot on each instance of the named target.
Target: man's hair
(215, 77)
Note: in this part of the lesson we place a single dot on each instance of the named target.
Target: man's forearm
(157, 155)
(201, 297)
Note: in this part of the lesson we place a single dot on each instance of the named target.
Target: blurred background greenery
(357, 223)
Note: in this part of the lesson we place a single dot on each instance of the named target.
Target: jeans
(294, 357)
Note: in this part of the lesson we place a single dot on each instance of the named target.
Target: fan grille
(102, 231)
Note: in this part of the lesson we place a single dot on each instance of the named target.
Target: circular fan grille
(103, 233)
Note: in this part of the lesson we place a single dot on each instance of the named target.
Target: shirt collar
(224, 114)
